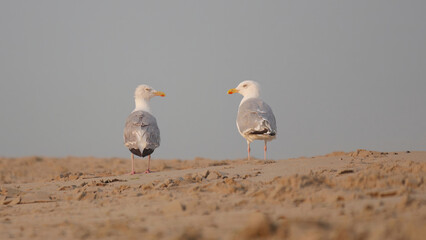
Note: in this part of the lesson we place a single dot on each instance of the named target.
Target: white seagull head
(146, 92)
(248, 89)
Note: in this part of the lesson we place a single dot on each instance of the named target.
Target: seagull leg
(248, 150)
(133, 165)
(149, 161)
(264, 153)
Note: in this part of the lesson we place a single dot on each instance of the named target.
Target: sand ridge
(357, 195)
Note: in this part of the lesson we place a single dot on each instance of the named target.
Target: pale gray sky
(339, 75)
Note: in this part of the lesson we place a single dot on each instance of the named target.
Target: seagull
(141, 133)
(255, 119)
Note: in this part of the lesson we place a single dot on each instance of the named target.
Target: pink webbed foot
(148, 171)
(132, 172)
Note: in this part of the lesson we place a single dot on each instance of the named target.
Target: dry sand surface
(356, 195)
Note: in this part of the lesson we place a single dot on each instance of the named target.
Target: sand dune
(356, 195)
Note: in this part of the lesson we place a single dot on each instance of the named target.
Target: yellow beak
(160, 93)
(232, 90)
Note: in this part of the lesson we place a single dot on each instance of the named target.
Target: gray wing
(141, 131)
(256, 117)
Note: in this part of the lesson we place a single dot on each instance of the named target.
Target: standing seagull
(255, 119)
(141, 133)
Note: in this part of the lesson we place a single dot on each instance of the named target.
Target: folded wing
(255, 117)
(141, 133)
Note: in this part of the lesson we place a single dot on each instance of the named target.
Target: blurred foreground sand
(357, 195)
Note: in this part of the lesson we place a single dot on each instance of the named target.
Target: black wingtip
(147, 151)
(136, 151)
(260, 132)
(144, 153)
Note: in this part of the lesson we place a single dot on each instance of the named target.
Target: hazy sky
(339, 75)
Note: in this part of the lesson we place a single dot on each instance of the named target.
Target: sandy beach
(356, 195)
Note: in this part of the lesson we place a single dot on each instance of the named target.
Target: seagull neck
(142, 105)
(248, 96)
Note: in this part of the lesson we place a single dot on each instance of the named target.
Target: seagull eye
(245, 85)
(148, 89)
